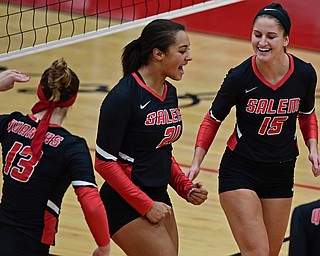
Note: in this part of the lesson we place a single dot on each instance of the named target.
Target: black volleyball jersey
(137, 127)
(33, 192)
(266, 114)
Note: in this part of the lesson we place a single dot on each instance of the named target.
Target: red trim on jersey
(281, 82)
(112, 173)
(33, 118)
(309, 126)
(207, 131)
(232, 141)
(142, 84)
(178, 180)
(95, 214)
(49, 229)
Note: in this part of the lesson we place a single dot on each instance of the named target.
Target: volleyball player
(305, 230)
(139, 120)
(40, 161)
(270, 90)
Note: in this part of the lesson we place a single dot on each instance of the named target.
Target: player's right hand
(9, 77)
(197, 194)
(102, 251)
(193, 172)
(158, 211)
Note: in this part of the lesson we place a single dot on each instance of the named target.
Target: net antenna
(32, 26)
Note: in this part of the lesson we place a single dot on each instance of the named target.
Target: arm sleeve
(95, 214)
(112, 173)
(225, 99)
(114, 118)
(179, 181)
(207, 132)
(309, 126)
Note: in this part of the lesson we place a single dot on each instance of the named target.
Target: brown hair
(59, 82)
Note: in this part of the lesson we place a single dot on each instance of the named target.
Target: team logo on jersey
(250, 90)
(144, 105)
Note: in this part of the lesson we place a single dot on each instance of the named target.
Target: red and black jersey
(266, 114)
(33, 191)
(137, 128)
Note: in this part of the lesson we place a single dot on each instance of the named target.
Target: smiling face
(268, 40)
(177, 56)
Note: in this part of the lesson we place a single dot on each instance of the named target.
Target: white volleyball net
(30, 26)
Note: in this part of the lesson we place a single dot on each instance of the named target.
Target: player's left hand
(315, 161)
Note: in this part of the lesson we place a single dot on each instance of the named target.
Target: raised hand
(9, 77)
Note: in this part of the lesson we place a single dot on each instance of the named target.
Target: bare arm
(314, 157)
(206, 134)
(199, 155)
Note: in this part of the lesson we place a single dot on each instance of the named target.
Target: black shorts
(120, 212)
(268, 180)
(13, 242)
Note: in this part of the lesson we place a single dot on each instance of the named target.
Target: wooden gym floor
(203, 229)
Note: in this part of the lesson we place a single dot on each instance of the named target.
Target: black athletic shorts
(268, 180)
(13, 243)
(120, 212)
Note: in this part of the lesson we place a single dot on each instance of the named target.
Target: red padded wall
(235, 20)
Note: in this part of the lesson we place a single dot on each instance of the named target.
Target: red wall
(235, 20)
(232, 20)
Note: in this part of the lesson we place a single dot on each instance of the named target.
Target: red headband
(42, 104)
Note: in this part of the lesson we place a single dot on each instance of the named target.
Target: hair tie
(42, 104)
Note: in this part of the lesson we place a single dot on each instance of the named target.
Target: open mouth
(181, 70)
(263, 50)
